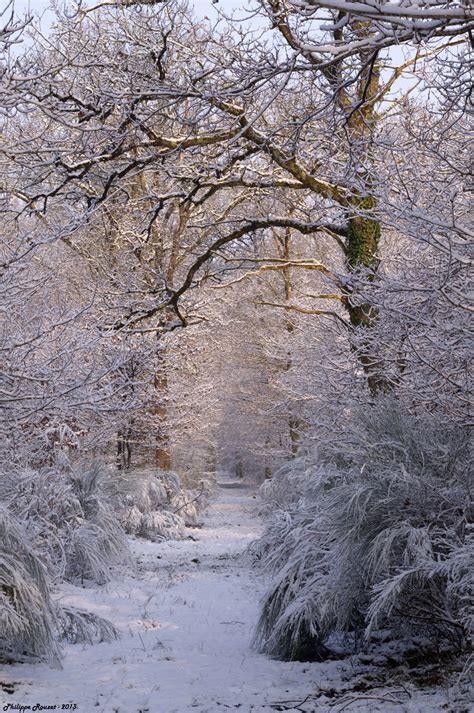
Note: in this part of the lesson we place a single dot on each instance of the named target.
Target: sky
(202, 7)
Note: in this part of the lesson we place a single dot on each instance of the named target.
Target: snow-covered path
(186, 618)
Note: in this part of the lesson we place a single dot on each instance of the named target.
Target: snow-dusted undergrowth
(375, 533)
(186, 615)
(27, 614)
(154, 505)
(70, 525)
(70, 517)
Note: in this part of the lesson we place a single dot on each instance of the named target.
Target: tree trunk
(283, 244)
(160, 411)
(364, 231)
(124, 449)
(363, 239)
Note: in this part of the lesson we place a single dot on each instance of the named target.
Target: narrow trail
(186, 617)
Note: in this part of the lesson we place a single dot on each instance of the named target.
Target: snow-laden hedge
(382, 540)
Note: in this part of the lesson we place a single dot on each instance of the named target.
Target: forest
(236, 342)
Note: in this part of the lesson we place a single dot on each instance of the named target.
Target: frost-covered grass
(78, 626)
(375, 533)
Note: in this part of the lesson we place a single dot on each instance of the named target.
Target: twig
(291, 702)
(354, 699)
(190, 501)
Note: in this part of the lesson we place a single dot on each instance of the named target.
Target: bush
(98, 541)
(77, 536)
(155, 506)
(70, 517)
(161, 525)
(382, 540)
(27, 614)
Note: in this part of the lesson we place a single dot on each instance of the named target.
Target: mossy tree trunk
(363, 225)
(362, 252)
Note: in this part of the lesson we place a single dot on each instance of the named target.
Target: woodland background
(240, 244)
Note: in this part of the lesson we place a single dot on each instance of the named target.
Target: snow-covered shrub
(152, 503)
(161, 525)
(276, 495)
(190, 502)
(381, 540)
(27, 614)
(77, 626)
(186, 505)
(43, 500)
(292, 625)
(98, 541)
(130, 519)
(70, 517)
(67, 530)
(143, 500)
(32, 624)
(142, 490)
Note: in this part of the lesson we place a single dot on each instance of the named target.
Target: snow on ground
(186, 616)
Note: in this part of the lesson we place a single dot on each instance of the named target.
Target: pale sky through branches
(202, 7)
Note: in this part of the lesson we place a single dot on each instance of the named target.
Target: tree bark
(160, 411)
